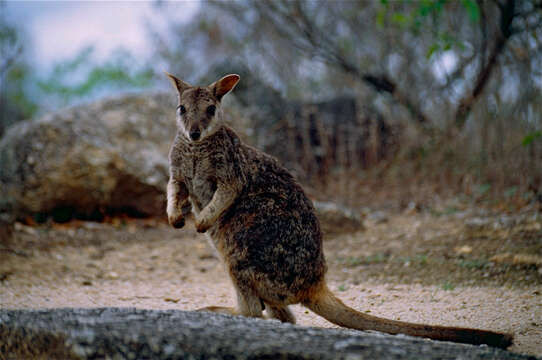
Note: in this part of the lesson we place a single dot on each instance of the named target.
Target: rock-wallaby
(261, 222)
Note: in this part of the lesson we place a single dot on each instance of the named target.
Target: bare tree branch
(505, 31)
(458, 71)
(328, 51)
(483, 31)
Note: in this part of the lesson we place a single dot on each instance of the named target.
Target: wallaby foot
(281, 313)
(176, 223)
(247, 305)
(220, 309)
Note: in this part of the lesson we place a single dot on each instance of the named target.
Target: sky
(58, 30)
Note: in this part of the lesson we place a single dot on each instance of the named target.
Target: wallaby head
(199, 112)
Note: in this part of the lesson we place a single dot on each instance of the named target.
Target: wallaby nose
(194, 134)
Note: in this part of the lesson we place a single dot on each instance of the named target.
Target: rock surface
(109, 155)
(127, 333)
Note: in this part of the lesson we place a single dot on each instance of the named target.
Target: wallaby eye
(182, 109)
(211, 109)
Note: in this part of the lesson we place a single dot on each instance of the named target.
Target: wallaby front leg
(221, 201)
(178, 205)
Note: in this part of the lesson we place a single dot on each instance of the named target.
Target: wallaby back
(325, 304)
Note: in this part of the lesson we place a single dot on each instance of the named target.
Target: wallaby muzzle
(195, 134)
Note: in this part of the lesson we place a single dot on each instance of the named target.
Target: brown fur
(262, 224)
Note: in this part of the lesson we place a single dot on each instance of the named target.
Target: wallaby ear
(224, 85)
(179, 84)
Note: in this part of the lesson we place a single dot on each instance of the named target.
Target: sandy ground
(411, 267)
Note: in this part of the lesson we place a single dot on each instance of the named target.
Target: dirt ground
(456, 268)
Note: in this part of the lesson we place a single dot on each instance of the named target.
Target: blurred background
(393, 103)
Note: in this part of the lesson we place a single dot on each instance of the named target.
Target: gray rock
(378, 217)
(336, 219)
(6, 227)
(111, 154)
(487, 225)
(125, 333)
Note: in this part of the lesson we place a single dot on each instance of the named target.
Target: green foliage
(417, 260)
(17, 96)
(410, 15)
(529, 138)
(424, 15)
(421, 259)
(79, 78)
(449, 210)
(472, 9)
(510, 192)
(377, 258)
(8, 36)
(474, 264)
(420, 10)
(483, 189)
(429, 8)
(15, 76)
(400, 19)
(443, 42)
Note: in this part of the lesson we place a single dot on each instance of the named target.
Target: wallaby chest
(199, 171)
(201, 166)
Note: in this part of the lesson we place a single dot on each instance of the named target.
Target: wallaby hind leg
(281, 313)
(248, 305)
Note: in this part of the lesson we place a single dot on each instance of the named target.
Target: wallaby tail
(325, 304)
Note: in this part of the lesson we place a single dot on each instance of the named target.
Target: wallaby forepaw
(174, 215)
(176, 223)
(203, 224)
(202, 227)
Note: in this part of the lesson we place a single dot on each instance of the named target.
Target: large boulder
(113, 333)
(107, 156)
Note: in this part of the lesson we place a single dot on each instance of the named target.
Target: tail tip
(507, 340)
(500, 340)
